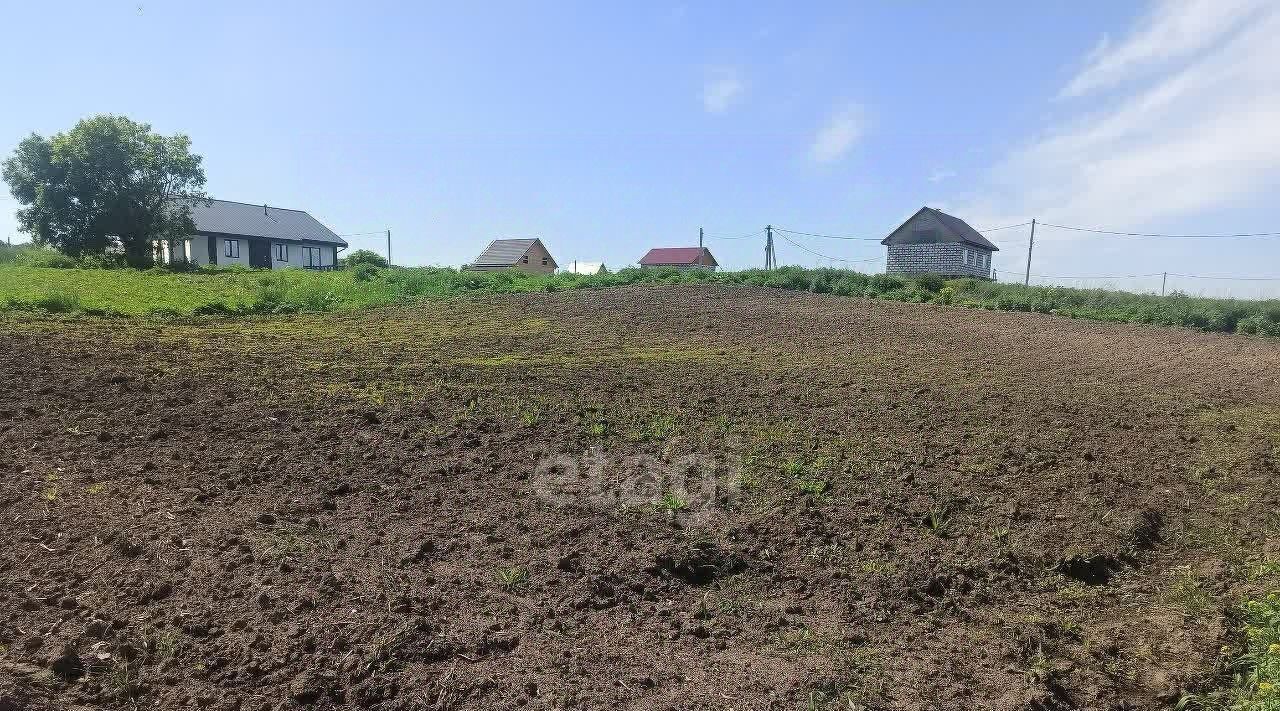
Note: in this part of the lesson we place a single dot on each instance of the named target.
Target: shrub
(364, 256)
(58, 302)
(55, 260)
(884, 283)
(364, 271)
(930, 282)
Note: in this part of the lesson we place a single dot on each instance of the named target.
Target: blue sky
(607, 128)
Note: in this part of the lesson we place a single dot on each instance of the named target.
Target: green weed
(1188, 593)
(812, 487)
(938, 522)
(1252, 682)
(513, 578)
(671, 502)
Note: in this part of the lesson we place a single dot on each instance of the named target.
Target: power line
(815, 234)
(365, 234)
(1159, 234)
(1224, 278)
(1006, 227)
(1153, 274)
(727, 237)
(1111, 276)
(878, 239)
(799, 246)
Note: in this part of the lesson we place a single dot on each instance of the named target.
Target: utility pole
(1164, 277)
(699, 238)
(1026, 281)
(769, 260)
(388, 248)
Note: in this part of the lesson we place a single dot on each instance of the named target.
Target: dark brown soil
(638, 498)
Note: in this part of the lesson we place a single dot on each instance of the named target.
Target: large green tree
(109, 181)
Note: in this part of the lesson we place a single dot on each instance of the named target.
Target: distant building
(933, 242)
(255, 236)
(526, 255)
(680, 258)
(576, 267)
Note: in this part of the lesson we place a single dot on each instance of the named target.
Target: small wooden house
(526, 255)
(933, 242)
(680, 258)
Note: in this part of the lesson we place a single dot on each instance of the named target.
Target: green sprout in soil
(512, 578)
(658, 429)
(1187, 592)
(813, 487)
(795, 468)
(938, 522)
(671, 502)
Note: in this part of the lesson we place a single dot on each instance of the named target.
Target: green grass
(671, 502)
(39, 280)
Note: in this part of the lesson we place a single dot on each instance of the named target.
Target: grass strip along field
(697, 496)
(25, 285)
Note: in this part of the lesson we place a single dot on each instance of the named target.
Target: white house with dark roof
(526, 255)
(933, 242)
(258, 236)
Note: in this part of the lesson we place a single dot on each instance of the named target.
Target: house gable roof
(954, 229)
(676, 255)
(507, 252)
(225, 217)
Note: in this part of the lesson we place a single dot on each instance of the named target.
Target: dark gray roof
(957, 231)
(238, 218)
(504, 252)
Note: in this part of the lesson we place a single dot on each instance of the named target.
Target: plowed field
(634, 498)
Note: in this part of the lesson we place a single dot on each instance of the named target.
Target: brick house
(680, 258)
(526, 255)
(933, 242)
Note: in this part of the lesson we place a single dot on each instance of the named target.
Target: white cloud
(941, 174)
(1186, 137)
(1173, 29)
(841, 131)
(721, 89)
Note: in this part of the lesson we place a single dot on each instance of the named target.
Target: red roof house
(680, 258)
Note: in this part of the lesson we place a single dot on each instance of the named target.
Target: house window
(544, 261)
(282, 252)
(310, 256)
(524, 259)
(231, 248)
(967, 256)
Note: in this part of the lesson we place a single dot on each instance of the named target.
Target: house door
(259, 254)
